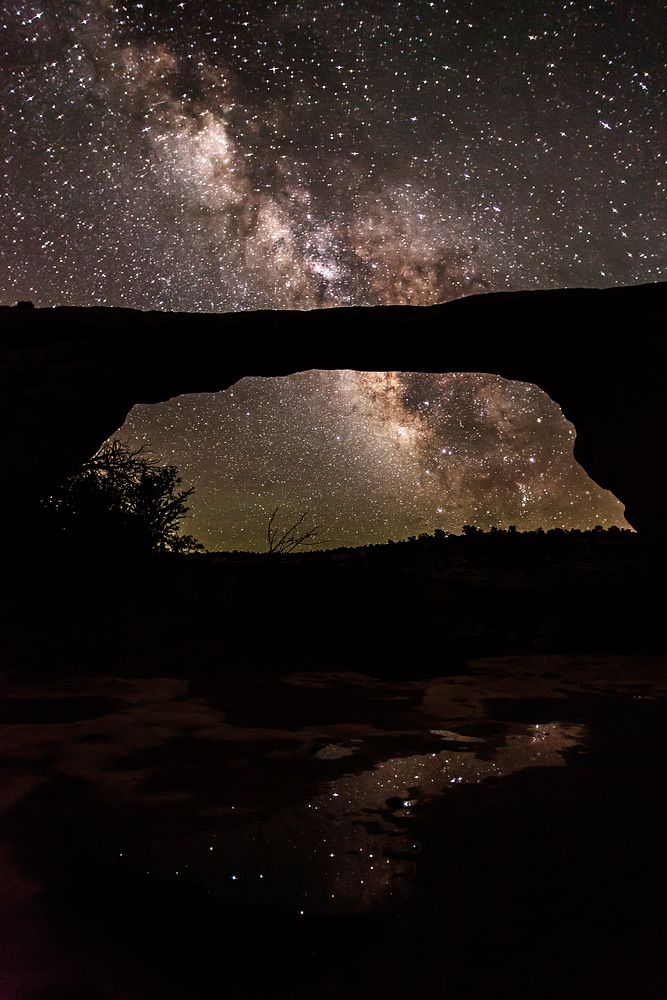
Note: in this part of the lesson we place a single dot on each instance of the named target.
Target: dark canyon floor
(429, 769)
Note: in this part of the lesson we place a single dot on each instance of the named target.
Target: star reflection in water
(351, 848)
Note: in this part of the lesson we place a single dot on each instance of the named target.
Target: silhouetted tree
(281, 541)
(120, 499)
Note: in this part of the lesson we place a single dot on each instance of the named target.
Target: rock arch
(70, 376)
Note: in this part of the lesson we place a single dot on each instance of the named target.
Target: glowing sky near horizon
(372, 456)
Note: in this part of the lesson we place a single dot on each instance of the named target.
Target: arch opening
(372, 456)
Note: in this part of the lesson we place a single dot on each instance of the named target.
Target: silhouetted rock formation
(68, 377)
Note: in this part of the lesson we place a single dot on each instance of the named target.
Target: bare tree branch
(281, 543)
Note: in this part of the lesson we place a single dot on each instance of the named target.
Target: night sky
(214, 156)
(372, 456)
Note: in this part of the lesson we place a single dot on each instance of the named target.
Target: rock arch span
(70, 376)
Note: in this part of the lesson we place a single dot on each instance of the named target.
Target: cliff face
(68, 377)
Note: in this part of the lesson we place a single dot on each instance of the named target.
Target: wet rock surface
(494, 833)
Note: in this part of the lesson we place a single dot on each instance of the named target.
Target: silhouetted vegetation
(426, 604)
(121, 501)
(421, 606)
(282, 541)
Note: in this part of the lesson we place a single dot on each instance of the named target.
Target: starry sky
(207, 155)
(372, 456)
(213, 155)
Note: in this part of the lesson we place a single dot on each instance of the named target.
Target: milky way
(215, 155)
(372, 456)
(220, 155)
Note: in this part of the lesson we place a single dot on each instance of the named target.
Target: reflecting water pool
(352, 847)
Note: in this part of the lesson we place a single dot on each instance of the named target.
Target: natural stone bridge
(68, 377)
